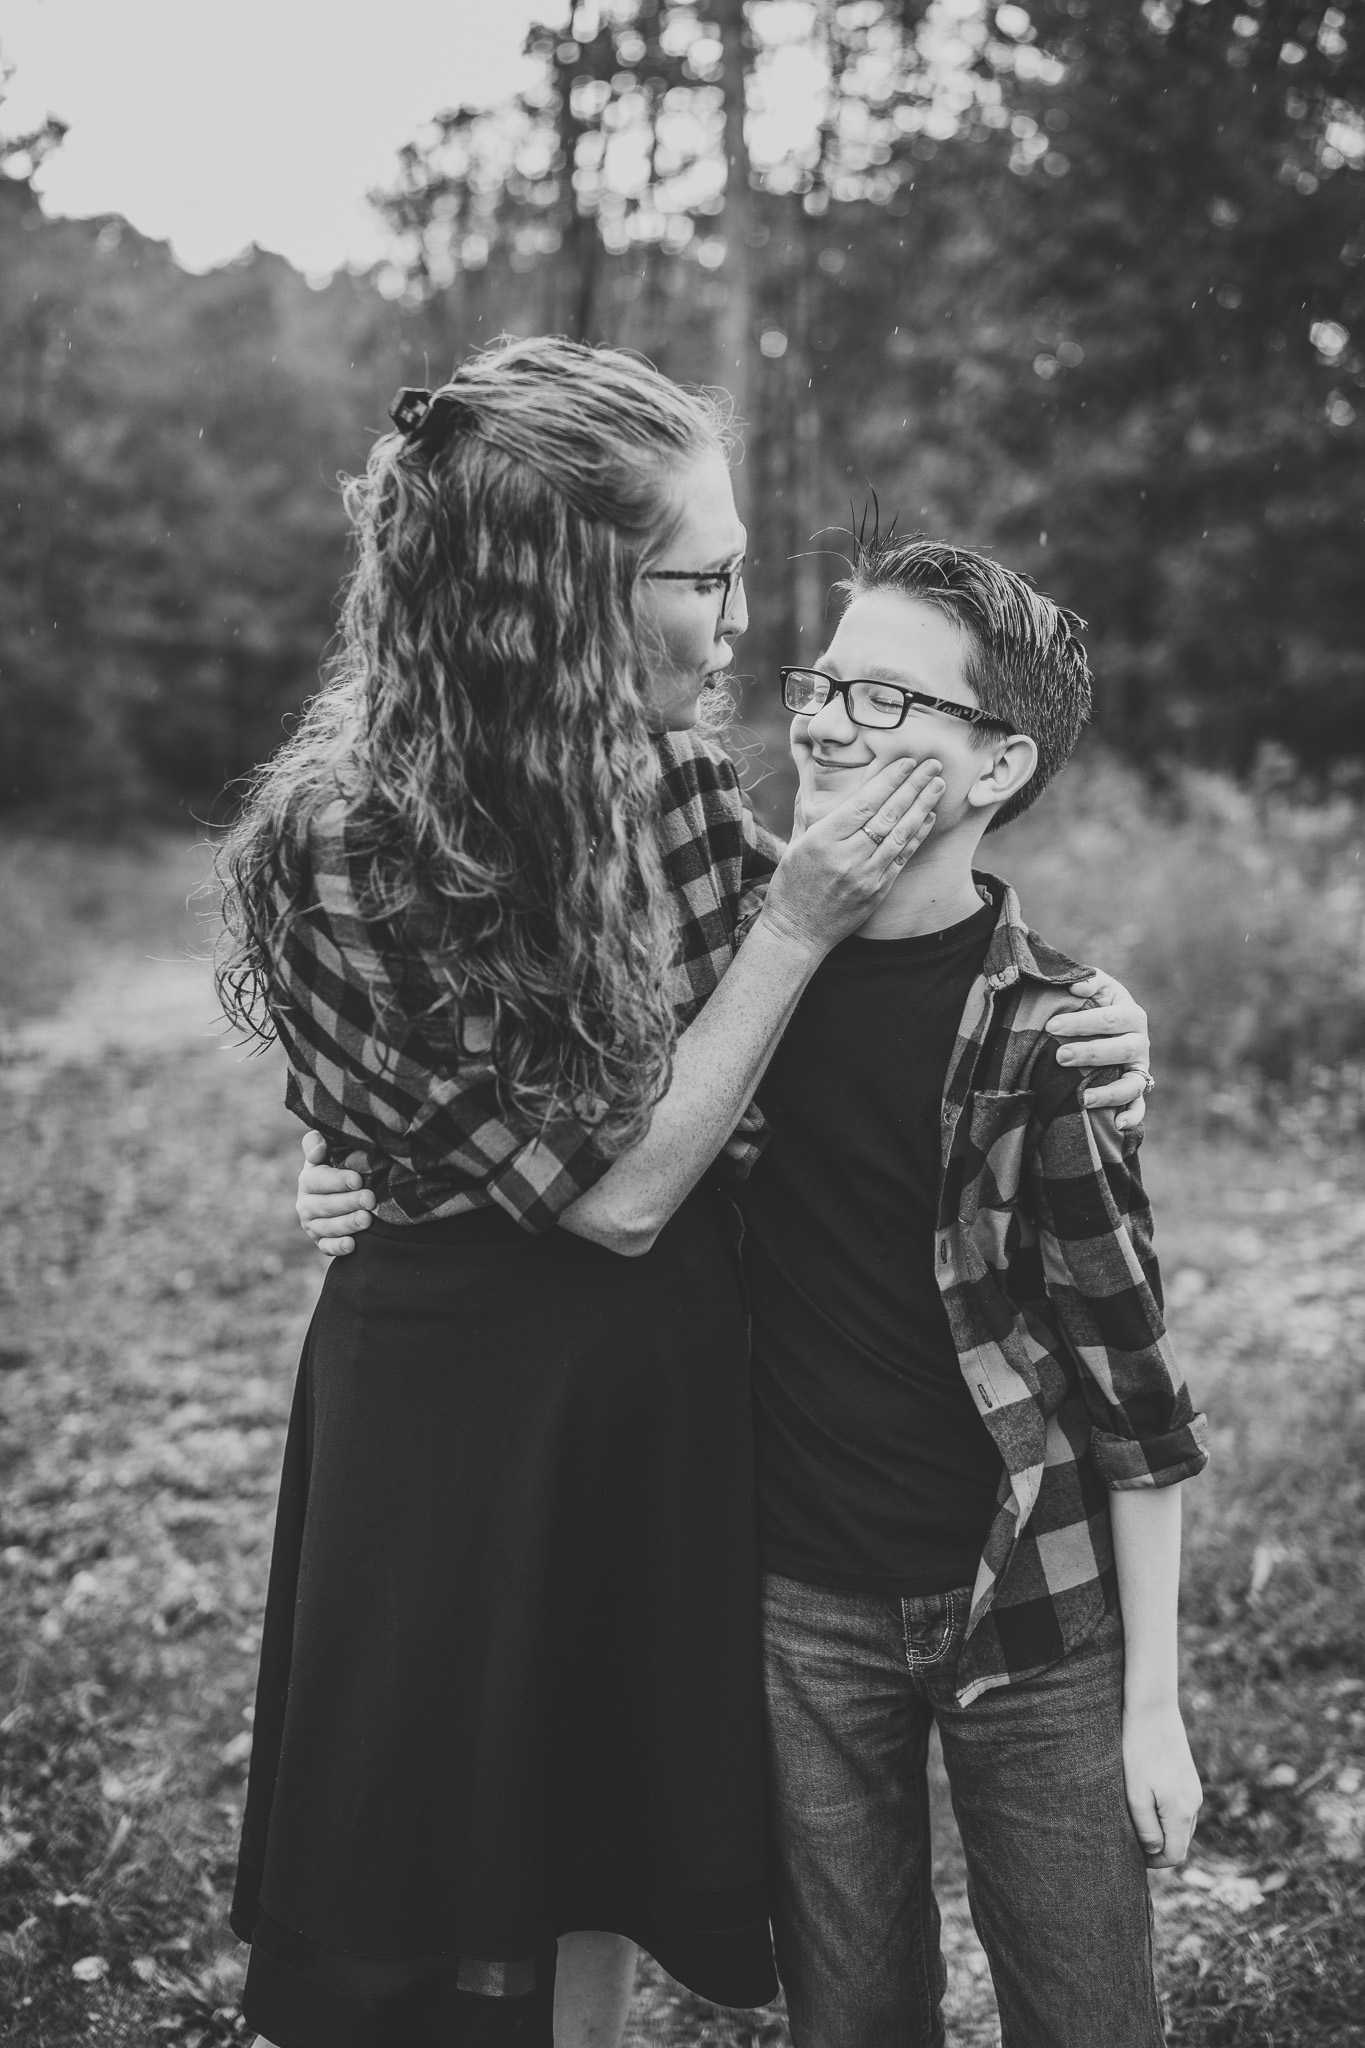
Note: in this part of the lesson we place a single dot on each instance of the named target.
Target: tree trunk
(573, 273)
(587, 256)
(813, 569)
(735, 322)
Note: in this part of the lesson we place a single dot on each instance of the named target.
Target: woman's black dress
(510, 1679)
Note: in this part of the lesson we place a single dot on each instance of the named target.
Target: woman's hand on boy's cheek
(1111, 1033)
(332, 1204)
(1161, 1782)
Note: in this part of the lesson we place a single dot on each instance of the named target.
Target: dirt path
(127, 1004)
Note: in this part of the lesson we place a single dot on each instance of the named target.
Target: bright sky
(214, 123)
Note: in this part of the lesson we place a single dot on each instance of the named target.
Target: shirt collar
(1016, 952)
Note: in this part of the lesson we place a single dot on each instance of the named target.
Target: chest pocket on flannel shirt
(997, 1122)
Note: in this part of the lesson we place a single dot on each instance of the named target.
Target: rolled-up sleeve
(541, 1179)
(762, 851)
(1095, 1235)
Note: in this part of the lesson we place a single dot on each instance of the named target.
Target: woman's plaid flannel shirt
(428, 1130)
(1045, 1264)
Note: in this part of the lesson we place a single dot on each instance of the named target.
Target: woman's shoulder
(337, 835)
(328, 829)
(335, 858)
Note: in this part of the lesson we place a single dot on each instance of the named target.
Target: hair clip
(411, 409)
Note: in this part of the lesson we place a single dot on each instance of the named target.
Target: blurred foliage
(1079, 281)
(1238, 914)
(169, 526)
(1177, 383)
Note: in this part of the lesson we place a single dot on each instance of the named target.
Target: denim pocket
(930, 1626)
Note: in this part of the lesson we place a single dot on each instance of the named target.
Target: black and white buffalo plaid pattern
(1045, 1263)
(422, 1121)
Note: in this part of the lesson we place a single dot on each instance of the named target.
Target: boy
(970, 1425)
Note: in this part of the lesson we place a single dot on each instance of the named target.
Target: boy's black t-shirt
(875, 1471)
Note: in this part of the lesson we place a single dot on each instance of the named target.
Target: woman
(509, 1685)
(509, 1711)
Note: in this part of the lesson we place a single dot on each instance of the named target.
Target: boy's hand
(331, 1204)
(1164, 1793)
(1113, 1033)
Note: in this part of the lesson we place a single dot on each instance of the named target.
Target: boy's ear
(1006, 767)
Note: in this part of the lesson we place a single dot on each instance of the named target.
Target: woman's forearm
(1146, 1525)
(719, 1062)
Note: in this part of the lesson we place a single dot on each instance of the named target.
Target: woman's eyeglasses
(881, 705)
(726, 581)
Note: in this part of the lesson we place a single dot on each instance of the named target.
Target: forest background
(1079, 282)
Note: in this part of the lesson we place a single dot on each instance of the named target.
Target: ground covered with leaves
(153, 1293)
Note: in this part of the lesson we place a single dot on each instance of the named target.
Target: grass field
(153, 1292)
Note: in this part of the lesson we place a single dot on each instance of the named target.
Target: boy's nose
(832, 722)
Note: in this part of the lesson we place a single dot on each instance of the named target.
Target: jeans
(1055, 1878)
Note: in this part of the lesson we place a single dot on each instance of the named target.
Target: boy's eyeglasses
(726, 581)
(881, 705)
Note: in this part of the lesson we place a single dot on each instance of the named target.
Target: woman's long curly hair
(484, 725)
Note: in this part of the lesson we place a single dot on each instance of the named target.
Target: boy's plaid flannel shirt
(1044, 1260)
(426, 1126)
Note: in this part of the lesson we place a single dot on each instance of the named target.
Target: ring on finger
(1148, 1079)
(875, 837)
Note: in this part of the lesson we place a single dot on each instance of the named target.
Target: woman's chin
(675, 717)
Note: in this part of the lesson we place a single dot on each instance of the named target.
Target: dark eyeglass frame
(728, 579)
(970, 714)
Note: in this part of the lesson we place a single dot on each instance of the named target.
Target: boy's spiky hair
(1025, 661)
